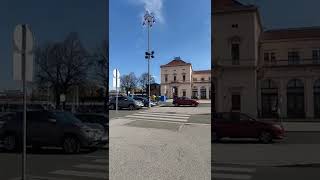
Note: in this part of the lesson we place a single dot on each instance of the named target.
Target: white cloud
(153, 6)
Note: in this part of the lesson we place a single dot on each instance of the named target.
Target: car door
(224, 125)
(44, 128)
(121, 102)
(248, 127)
(232, 124)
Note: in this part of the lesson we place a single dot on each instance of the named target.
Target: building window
(316, 56)
(269, 99)
(293, 57)
(184, 77)
(166, 78)
(269, 57)
(202, 79)
(194, 93)
(174, 78)
(235, 53)
(209, 78)
(273, 57)
(203, 93)
(316, 97)
(295, 99)
(266, 57)
(235, 102)
(184, 93)
(234, 25)
(194, 79)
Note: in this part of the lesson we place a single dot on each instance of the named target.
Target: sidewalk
(302, 126)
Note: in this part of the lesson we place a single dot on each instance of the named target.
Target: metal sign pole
(24, 101)
(116, 90)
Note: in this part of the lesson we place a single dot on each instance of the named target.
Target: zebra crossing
(159, 116)
(232, 172)
(94, 168)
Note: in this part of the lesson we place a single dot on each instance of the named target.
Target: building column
(199, 92)
(308, 96)
(207, 92)
(259, 105)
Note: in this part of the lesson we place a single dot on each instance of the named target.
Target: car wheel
(71, 145)
(265, 137)
(131, 107)
(10, 142)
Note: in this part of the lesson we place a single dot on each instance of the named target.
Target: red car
(184, 101)
(239, 125)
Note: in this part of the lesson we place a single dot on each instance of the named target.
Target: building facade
(179, 79)
(265, 73)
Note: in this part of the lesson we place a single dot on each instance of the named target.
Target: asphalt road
(245, 172)
(52, 164)
(194, 118)
(161, 143)
(294, 158)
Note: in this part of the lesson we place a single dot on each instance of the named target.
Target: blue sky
(49, 21)
(182, 29)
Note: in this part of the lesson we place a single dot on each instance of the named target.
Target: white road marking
(165, 113)
(158, 115)
(81, 174)
(91, 166)
(101, 161)
(156, 118)
(234, 169)
(235, 173)
(231, 176)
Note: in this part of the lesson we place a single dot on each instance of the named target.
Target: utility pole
(149, 19)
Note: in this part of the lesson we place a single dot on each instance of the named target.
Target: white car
(139, 103)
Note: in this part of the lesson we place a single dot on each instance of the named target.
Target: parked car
(184, 101)
(145, 101)
(126, 102)
(94, 118)
(48, 128)
(240, 125)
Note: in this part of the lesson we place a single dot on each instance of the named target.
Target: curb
(270, 164)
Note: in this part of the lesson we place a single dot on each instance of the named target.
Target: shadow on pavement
(45, 151)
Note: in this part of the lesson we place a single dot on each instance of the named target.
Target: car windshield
(66, 117)
(130, 98)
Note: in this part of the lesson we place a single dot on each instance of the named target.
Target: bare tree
(129, 82)
(102, 66)
(143, 81)
(62, 65)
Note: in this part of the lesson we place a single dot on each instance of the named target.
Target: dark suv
(51, 129)
(240, 125)
(126, 102)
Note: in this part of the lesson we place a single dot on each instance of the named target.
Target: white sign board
(18, 38)
(17, 53)
(17, 67)
(116, 79)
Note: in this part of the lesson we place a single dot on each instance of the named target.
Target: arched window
(203, 92)
(316, 98)
(195, 92)
(295, 99)
(269, 98)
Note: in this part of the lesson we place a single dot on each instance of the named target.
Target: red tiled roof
(230, 5)
(291, 33)
(202, 72)
(176, 62)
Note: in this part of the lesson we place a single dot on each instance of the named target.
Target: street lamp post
(149, 19)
